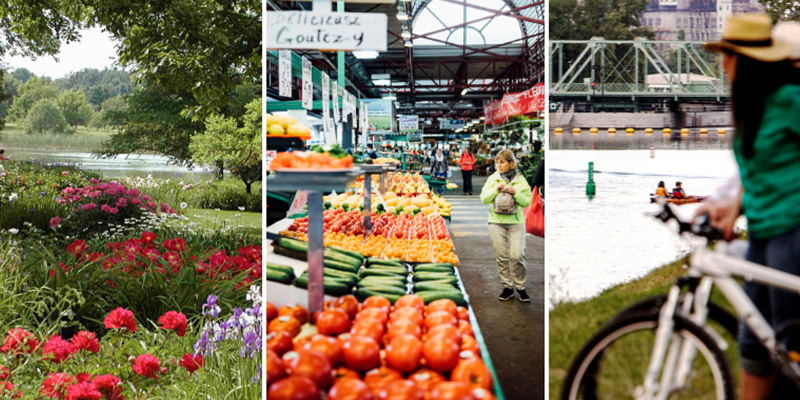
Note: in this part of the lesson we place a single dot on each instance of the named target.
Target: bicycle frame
(712, 268)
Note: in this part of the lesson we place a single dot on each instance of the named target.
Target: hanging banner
(326, 96)
(364, 118)
(408, 123)
(308, 87)
(337, 117)
(326, 30)
(285, 73)
(380, 113)
(529, 101)
(330, 131)
(451, 123)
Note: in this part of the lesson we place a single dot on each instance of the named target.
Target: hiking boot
(507, 294)
(523, 296)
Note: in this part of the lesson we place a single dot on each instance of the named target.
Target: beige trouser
(509, 245)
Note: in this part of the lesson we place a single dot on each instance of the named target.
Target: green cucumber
(331, 286)
(379, 282)
(378, 272)
(354, 254)
(430, 295)
(431, 276)
(431, 268)
(293, 244)
(396, 270)
(380, 261)
(388, 289)
(436, 265)
(331, 254)
(363, 293)
(345, 276)
(278, 267)
(433, 285)
(278, 276)
(341, 266)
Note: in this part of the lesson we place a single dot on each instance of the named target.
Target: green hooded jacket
(523, 196)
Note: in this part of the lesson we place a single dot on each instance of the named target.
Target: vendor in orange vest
(467, 162)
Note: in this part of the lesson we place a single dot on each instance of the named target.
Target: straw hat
(751, 35)
(789, 32)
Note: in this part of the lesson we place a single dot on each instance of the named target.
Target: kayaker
(662, 190)
(679, 193)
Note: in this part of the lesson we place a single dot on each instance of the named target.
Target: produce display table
(280, 294)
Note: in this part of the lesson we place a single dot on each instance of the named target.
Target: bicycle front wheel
(614, 363)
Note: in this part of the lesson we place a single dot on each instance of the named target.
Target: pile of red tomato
(373, 351)
(420, 230)
(438, 229)
(336, 221)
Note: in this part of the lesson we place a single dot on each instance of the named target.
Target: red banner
(529, 101)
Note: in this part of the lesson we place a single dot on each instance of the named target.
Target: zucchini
(293, 244)
(430, 295)
(283, 268)
(433, 285)
(341, 266)
(278, 276)
(436, 265)
(332, 286)
(431, 276)
(363, 293)
(354, 254)
(431, 268)
(378, 272)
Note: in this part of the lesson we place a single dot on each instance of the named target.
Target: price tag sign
(330, 131)
(285, 73)
(299, 202)
(326, 30)
(308, 87)
(326, 96)
(337, 117)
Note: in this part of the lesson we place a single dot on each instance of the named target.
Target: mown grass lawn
(217, 219)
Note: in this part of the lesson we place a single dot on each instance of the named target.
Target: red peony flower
(146, 365)
(120, 318)
(176, 244)
(191, 364)
(148, 237)
(110, 386)
(85, 341)
(56, 349)
(19, 341)
(7, 389)
(77, 247)
(83, 391)
(4, 372)
(175, 321)
(55, 222)
(83, 377)
(56, 384)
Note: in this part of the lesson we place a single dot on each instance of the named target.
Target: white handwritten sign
(285, 73)
(326, 96)
(308, 87)
(322, 30)
(408, 122)
(337, 117)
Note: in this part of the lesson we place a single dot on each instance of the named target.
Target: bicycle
(660, 339)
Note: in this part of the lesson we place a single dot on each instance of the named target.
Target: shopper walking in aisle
(467, 162)
(439, 168)
(508, 193)
(766, 110)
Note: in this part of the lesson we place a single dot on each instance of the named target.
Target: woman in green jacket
(508, 230)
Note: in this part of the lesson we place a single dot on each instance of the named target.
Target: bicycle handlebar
(701, 226)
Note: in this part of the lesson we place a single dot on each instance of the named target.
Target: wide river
(594, 245)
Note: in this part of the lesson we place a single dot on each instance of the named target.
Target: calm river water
(594, 245)
(130, 165)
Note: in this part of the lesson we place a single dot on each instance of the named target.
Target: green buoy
(590, 187)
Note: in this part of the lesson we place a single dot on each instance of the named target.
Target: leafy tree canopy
(28, 94)
(45, 116)
(34, 28)
(74, 107)
(584, 19)
(98, 85)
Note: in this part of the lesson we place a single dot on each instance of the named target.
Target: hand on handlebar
(722, 214)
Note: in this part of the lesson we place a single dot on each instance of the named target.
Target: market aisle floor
(513, 331)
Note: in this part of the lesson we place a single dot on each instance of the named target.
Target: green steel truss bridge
(634, 73)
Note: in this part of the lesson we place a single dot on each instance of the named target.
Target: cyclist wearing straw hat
(766, 109)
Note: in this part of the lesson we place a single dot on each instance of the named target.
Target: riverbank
(85, 139)
(573, 324)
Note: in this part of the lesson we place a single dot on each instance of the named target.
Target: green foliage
(225, 143)
(84, 139)
(45, 116)
(611, 19)
(153, 122)
(112, 110)
(39, 27)
(74, 107)
(98, 85)
(782, 10)
(28, 94)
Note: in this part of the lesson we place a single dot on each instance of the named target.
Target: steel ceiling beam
(493, 15)
(504, 13)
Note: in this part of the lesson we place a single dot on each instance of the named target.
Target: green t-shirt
(771, 177)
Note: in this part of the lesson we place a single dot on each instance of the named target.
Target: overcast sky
(94, 50)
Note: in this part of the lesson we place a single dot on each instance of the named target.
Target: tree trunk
(248, 186)
(221, 170)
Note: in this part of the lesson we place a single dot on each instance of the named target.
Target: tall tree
(45, 117)
(28, 94)
(74, 107)
(38, 27)
(112, 110)
(238, 148)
